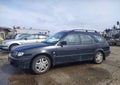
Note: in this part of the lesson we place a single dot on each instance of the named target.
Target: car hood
(30, 46)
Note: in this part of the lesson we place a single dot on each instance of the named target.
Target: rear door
(87, 47)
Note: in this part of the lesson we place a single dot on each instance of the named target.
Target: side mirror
(63, 43)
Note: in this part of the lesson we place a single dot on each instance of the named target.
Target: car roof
(82, 31)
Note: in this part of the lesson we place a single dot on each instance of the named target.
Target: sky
(57, 15)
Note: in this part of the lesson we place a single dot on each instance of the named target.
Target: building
(4, 31)
(32, 31)
(18, 29)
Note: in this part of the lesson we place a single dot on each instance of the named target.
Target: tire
(12, 46)
(98, 57)
(41, 64)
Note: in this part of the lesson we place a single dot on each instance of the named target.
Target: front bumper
(107, 53)
(19, 63)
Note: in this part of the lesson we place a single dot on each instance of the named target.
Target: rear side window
(86, 39)
(100, 39)
(72, 39)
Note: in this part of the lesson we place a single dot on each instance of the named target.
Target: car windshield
(55, 38)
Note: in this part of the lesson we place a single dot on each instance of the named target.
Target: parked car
(18, 35)
(63, 47)
(118, 41)
(114, 41)
(29, 38)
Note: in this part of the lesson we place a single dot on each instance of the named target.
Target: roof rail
(84, 30)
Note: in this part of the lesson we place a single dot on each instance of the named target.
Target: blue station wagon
(63, 47)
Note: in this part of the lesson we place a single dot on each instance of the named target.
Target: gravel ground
(83, 73)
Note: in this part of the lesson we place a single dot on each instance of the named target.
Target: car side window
(32, 37)
(72, 39)
(99, 38)
(42, 37)
(86, 39)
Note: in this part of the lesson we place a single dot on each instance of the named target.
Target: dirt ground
(83, 73)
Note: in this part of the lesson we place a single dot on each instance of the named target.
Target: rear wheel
(98, 58)
(41, 64)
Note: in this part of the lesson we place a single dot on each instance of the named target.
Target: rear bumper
(22, 64)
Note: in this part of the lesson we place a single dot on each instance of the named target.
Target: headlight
(15, 54)
(20, 53)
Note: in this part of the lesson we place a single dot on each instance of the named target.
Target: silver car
(32, 38)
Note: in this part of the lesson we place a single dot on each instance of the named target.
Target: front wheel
(41, 64)
(98, 58)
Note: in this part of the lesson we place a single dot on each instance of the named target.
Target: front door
(68, 52)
